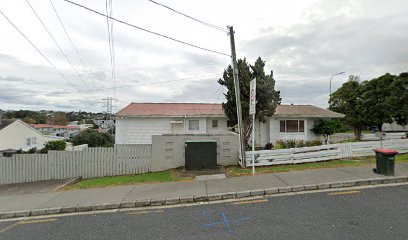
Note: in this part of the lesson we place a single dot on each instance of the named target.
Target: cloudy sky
(303, 41)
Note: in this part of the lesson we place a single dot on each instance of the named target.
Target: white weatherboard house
(138, 122)
(16, 134)
(291, 122)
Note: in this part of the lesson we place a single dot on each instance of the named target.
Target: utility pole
(237, 97)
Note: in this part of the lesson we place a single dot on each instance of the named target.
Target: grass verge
(156, 177)
(235, 171)
(232, 171)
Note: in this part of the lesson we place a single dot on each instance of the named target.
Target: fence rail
(323, 153)
(89, 163)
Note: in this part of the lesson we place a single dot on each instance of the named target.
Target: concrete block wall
(168, 151)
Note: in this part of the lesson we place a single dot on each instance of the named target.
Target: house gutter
(167, 116)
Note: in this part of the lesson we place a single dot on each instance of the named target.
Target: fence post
(291, 155)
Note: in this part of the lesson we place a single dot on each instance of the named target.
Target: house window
(301, 126)
(34, 140)
(282, 126)
(214, 123)
(193, 125)
(292, 126)
(28, 141)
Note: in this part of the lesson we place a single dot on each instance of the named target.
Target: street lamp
(331, 80)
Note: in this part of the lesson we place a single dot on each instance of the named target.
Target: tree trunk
(357, 133)
(326, 138)
(247, 134)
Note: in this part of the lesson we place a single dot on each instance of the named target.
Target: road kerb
(229, 195)
(203, 198)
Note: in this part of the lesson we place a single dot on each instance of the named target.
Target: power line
(66, 33)
(126, 86)
(55, 41)
(146, 30)
(39, 51)
(110, 40)
(214, 94)
(113, 49)
(72, 42)
(192, 18)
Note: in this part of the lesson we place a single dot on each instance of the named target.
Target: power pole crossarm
(237, 97)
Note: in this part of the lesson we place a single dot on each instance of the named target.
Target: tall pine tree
(267, 98)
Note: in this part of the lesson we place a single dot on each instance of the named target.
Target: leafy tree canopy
(27, 116)
(377, 107)
(399, 98)
(93, 138)
(347, 100)
(326, 128)
(58, 119)
(374, 102)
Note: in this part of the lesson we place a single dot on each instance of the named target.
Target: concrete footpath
(131, 196)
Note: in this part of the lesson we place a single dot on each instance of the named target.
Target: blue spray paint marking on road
(206, 214)
(225, 221)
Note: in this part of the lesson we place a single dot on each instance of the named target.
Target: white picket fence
(89, 163)
(388, 135)
(323, 153)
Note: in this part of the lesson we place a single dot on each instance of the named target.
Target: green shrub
(301, 143)
(56, 145)
(93, 138)
(293, 143)
(280, 144)
(312, 143)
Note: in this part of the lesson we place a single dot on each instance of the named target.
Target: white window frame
(190, 126)
(28, 141)
(34, 141)
(216, 123)
(298, 126)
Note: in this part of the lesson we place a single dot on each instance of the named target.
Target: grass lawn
(349, 141)
(232, 171)
(363, 132)
(235, 171)
(156, 177)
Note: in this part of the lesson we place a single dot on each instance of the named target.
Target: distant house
(394, 127)
(138, 122)
(82, 127)
(16, 134)
(103, 123)
(57, 130)
(291, 122)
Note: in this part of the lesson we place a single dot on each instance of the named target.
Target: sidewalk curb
(201, 198)
(69, 183)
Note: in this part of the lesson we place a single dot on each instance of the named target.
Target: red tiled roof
(171, 109)
(305, 110)
(53, 126)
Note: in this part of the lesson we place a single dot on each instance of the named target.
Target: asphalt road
(372, 213)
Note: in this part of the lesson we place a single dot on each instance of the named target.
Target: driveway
(32, 187)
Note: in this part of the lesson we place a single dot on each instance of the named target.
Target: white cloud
(304, 42)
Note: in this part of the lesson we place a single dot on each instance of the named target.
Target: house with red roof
(138, 122)
(16, 134)
(291, 122)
